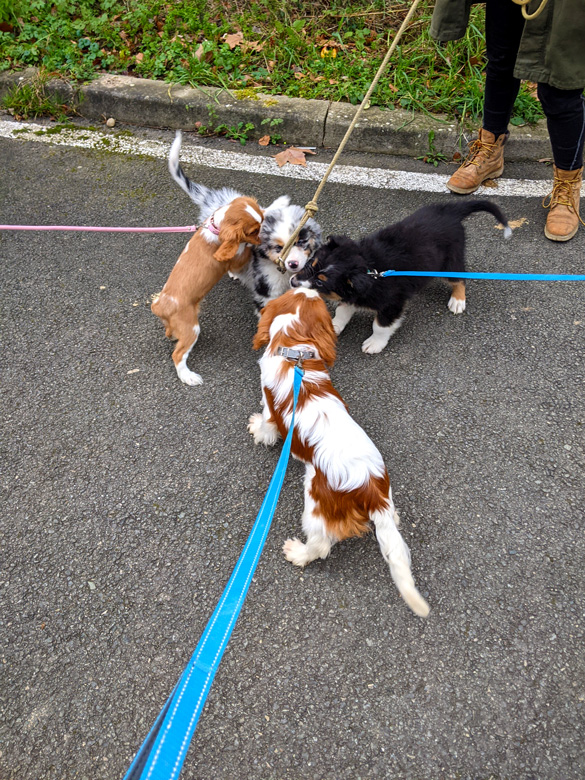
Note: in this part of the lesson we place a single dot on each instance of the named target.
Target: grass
(328, 50)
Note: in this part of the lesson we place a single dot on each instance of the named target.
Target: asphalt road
(127, 498)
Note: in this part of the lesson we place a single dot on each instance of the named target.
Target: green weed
(328, 50)
(30, 99)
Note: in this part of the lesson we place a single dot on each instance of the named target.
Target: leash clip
(296, 355)
(379, 274)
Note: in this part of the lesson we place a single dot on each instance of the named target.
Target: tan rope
(311, 208)
(525, 13)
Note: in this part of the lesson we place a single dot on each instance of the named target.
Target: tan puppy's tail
(397, 555)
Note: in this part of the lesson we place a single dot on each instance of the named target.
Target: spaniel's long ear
(317, 320)
(230, 242)
(262, 337)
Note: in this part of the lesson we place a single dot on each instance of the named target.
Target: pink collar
(210, 225)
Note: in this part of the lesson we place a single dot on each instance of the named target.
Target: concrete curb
(317, 123)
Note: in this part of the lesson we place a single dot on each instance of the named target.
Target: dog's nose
(294, 282)
(292, 264)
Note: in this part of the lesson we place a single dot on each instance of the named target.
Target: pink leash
(186, 229)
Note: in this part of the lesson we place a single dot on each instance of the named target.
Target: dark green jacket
(552, 49)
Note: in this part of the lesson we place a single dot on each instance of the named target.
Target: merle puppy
(281, 217)
(431, 239)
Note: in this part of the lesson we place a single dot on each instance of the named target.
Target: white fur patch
(456, 305)
(253, 213)
(307, 291)
(380, 337)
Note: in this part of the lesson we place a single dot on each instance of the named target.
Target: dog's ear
(231, 238)
(262, 336)
(339, 241)
(359, 280)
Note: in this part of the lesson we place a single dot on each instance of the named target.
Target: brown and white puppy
(222, 244)
(346, 483)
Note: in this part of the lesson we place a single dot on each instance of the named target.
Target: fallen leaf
(199, 52)
(139, 57)
(234, 39)
(514, 223)
(299, 75)
(291, 155)
(253, 46)
(264, 141)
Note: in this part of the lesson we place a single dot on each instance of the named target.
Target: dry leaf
(291, 155)
(139, 57)
(299, 75)
(514, 223)
(264, 141)
(199, 52)
(253, 46)
(233, 40)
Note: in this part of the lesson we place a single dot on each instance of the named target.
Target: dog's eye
(318, 283)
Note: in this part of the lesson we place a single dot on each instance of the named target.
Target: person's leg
(565, 116)
(504, 24)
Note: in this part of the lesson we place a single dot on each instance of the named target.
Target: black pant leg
(504, 24)
(565, 116)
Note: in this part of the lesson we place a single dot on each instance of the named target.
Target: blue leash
(163, 751)
(466, 275)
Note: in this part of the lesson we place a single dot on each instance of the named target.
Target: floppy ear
(359, 280)
(262, 337)
(230, 242)
(325, 339)
(339, 240)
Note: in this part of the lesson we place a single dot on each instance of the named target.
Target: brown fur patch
(458, 290)
(199, 268)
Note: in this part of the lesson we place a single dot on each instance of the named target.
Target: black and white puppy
(431, 239)
(261, 275)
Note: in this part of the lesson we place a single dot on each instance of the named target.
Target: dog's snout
(292, 264)
(294, 282)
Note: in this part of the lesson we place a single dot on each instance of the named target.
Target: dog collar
(298, 355)
(210, 225)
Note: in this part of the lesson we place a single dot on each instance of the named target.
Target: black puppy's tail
(197, 192)
(469, 207)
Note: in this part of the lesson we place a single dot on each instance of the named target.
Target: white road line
(352, 175)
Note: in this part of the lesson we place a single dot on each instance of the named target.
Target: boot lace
(477, 151)
(562, 195)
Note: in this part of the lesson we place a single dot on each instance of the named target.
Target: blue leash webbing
(467, 275)
(163, 751)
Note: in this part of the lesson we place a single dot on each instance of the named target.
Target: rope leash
(466, 275)
(163, 752)
(311, 208)
(525, 13)
(186, 229)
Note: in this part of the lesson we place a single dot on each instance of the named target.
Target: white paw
(373, 345)
(189, 377)
(295, 552)
(263, 433)
(338, 326)
(456, 305)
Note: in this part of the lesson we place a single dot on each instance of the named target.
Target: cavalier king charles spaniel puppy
(346, 482)
(261, 275)
(220, 245)
(431, 239)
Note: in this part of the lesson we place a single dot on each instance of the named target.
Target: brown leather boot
(563, 218)
(484, 161)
